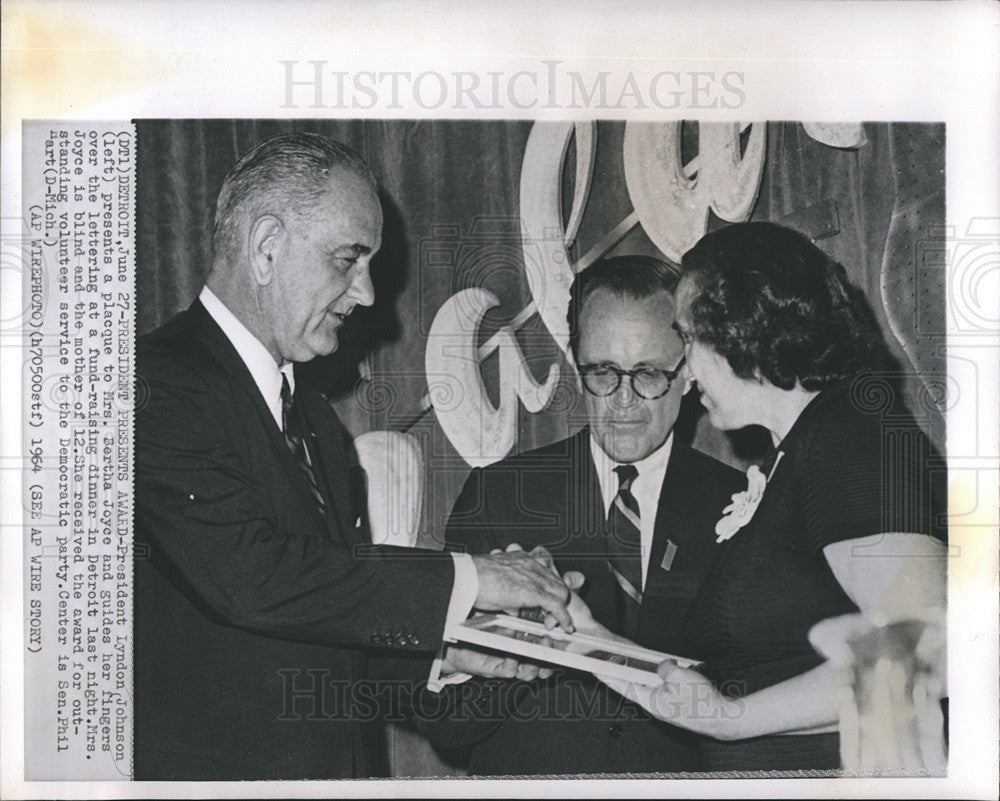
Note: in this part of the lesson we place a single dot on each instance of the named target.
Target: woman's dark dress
(846, 470)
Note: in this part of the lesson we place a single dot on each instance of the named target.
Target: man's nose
(362, 289)
(624, 395)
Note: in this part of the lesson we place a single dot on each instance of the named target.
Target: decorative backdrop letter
(544, 241)
(479, 432)
(672, 199)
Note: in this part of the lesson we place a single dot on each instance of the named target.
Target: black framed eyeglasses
(647, 382)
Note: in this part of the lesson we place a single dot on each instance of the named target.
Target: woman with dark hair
(844, 516)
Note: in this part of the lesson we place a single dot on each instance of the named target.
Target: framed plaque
(531, 640)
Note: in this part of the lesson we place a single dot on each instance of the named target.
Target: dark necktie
(299, 440)
(625, 547)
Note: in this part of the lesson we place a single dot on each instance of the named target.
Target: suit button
(615, 730)
(401, 639)
(413, 639)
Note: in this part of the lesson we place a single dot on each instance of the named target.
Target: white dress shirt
(646, 489)
(267, 374)
(263, 369)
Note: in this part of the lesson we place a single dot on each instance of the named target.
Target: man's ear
(263, 243)
(576, 376)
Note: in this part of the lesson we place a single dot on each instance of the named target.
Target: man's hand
(514, 580)
(490, 666)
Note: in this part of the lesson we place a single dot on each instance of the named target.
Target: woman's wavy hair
(776, 306)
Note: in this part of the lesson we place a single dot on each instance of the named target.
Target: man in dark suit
(257, 593)
(624, 503)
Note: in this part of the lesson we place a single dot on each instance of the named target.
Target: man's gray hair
(288, 172)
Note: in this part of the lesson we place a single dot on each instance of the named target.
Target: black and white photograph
(584, 362)
(471, 421)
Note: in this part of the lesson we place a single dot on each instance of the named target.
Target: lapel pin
(668, 556)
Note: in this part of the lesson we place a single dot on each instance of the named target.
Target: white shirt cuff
(465, 589)
(463, 596)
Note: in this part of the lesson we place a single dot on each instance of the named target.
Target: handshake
(510, 581)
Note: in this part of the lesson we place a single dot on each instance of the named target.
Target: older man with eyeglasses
(624, 503)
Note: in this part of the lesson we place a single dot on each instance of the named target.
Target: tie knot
(627, 473)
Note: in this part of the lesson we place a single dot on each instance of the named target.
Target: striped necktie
(299, 439)
(624, 545)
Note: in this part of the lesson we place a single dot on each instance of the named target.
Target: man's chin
(315, 349)
(625, 449)
(328, 349)
(718, 421)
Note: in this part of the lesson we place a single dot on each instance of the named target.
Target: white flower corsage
(744, 504)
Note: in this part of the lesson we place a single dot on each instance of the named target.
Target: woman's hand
(583, 619)
(686, 699)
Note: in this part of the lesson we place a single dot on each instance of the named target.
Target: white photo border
(819, 61)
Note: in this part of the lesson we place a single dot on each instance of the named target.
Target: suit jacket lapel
(667, 591)
(675, 494)
(587, 517)
(587, 539)
(336, 471)
(229, 360)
